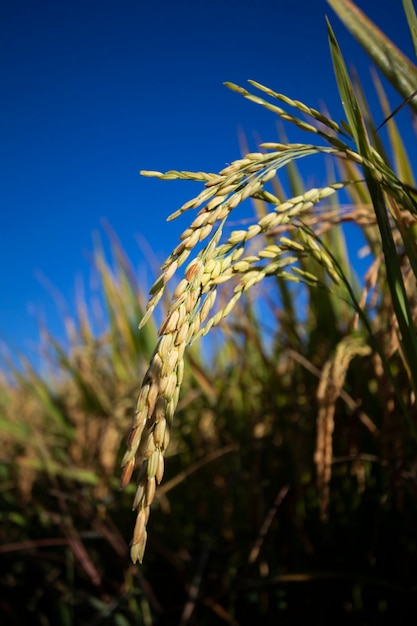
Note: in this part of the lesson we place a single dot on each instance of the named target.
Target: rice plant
(287, 242)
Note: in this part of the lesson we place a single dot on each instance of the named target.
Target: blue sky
(92, 92)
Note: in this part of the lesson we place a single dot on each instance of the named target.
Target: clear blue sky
(92, 92)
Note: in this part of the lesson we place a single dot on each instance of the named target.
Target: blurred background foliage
(291, 477)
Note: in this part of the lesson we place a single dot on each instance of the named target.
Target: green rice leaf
(399, 70)
(412, 22)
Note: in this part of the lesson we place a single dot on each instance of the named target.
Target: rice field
(265, 433)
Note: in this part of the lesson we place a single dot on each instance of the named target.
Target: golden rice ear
(191, 314)
(330, 389)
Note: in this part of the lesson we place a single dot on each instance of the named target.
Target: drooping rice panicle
(330, 386)
(193, 299)
(289, 242)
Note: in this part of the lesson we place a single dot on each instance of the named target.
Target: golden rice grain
(160, 468)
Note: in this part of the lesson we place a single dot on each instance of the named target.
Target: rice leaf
(399, 70)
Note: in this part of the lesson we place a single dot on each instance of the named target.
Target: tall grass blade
(371, 167)
(412, 22)
(399, 70)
